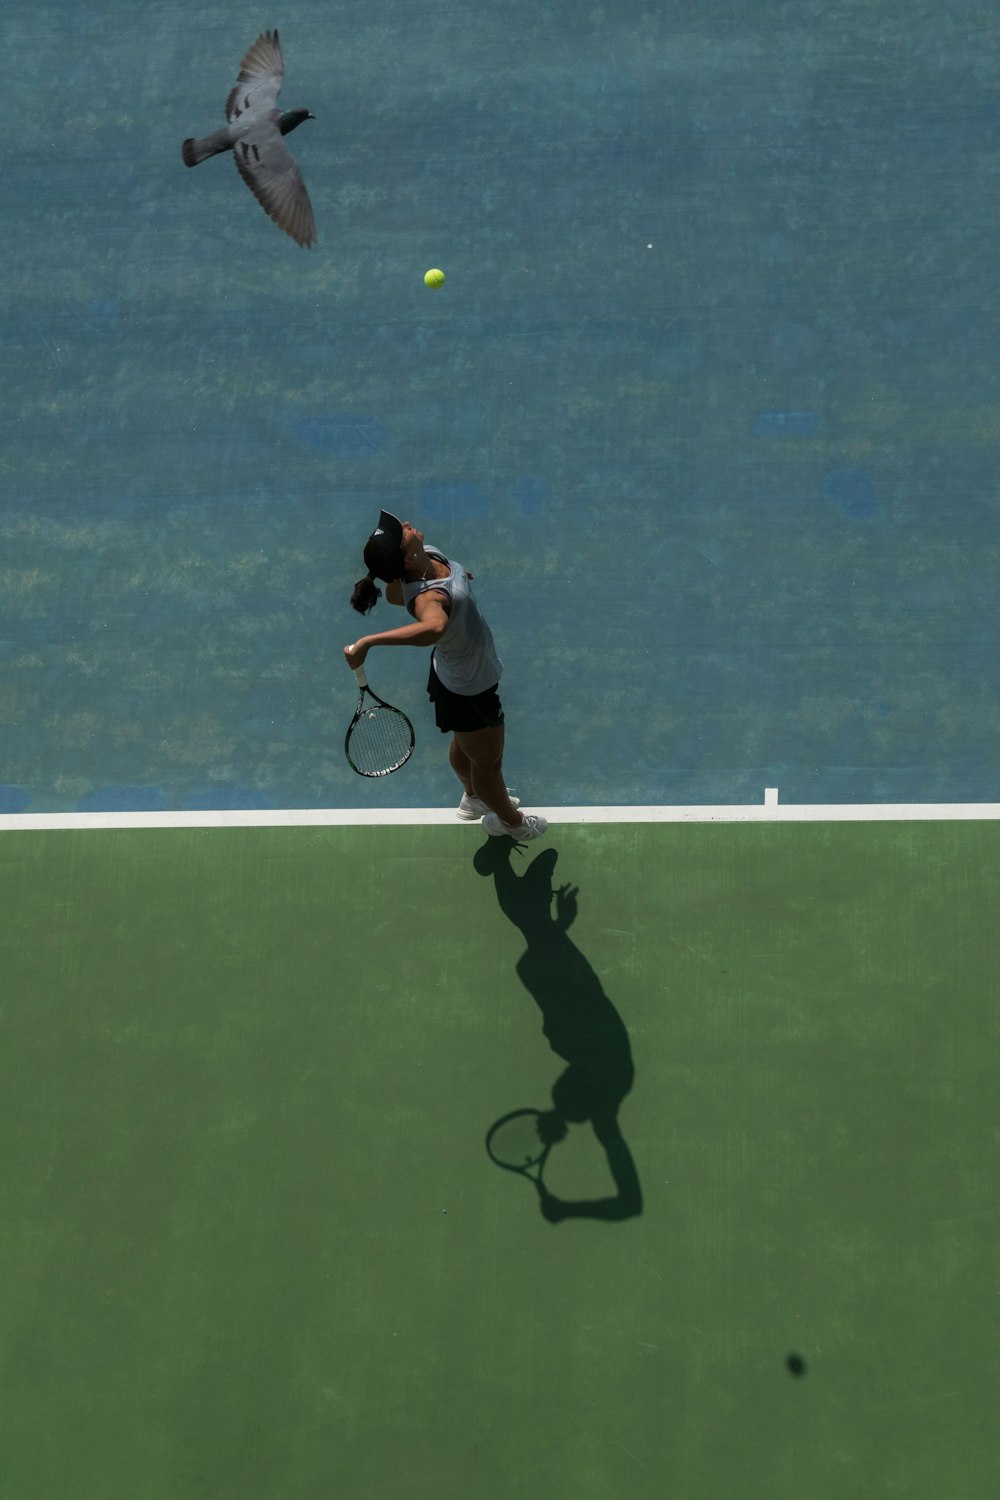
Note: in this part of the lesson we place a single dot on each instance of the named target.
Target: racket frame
(362, 680)
(532, 1170)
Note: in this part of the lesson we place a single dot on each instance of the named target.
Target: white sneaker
(471, 808)
(531, 826)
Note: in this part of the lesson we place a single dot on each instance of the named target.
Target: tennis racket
(521, 1141)
(380, 737)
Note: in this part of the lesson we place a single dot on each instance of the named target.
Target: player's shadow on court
(580, 1022)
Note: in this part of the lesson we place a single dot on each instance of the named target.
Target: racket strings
(516, 1142)
(380, 740)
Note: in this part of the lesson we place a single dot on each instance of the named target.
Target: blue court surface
(709, 401)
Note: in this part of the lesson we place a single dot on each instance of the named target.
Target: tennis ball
(433, 278)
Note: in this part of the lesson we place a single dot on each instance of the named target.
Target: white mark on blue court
(786, 424)
(341, 434)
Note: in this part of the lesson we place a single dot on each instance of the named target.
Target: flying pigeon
(254, 135)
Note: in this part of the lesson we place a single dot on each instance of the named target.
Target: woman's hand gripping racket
(380, 737)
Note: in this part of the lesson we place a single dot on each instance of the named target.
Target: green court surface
(252, 1244)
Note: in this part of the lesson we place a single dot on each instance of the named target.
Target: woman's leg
(482, 749)
(460, 764)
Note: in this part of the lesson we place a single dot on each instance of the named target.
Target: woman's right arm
(430, 625)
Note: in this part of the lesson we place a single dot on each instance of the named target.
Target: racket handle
(360, 674)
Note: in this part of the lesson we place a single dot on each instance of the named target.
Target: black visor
(384, 549)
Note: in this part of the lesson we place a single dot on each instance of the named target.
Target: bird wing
(270, 172)
(259, 80)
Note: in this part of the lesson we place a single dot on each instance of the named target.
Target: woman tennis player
(465, 669)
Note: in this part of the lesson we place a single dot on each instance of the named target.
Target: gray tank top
(465, 658)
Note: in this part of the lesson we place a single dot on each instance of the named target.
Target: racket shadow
(580, 1023)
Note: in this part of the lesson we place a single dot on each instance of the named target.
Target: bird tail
(210, 145)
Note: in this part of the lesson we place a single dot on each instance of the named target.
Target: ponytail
(365, 595)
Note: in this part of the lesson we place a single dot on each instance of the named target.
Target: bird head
(290, 118)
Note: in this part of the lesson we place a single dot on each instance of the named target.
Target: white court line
(422, 817)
